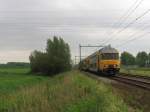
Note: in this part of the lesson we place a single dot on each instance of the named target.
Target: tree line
(55, 59)
(142, 59)
(15, 64)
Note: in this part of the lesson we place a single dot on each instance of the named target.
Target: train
(104, 61)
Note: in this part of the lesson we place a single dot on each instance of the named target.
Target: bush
(56, 59)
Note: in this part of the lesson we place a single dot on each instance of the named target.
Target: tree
(149, 57)
(148, 61)
(56, 59)
(127, 58)
(59, 54)
(141, 58)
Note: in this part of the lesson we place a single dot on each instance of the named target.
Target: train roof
(108, 49)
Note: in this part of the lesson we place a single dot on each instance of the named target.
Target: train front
(109, 61)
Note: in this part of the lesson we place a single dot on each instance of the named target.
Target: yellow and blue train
(105, 60)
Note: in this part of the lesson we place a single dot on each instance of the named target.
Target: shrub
(56, 59)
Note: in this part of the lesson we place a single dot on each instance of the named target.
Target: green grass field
(14, 70)
(66, 92)
(13, 78)
(136, 71)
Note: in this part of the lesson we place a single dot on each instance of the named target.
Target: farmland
(12, 79)
(66, 92)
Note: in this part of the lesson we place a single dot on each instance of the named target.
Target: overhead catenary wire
(128, 25)
(125, 16)
(132, 22)
(132, 11)
(135, 34)
(133, 39)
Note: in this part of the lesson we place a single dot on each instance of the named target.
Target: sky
(25, 25)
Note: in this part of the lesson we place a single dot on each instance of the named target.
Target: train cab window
(109, 56)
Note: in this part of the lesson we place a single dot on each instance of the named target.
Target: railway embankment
(133, 89)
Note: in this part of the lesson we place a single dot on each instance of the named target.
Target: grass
(137, 100)
(12, 79)
(66, 92)
(15, 70)
(136, 71)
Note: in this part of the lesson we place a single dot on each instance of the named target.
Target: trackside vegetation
(66, 92)
(54, 60)
(136, 71)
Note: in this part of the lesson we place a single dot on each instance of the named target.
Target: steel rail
(133, 80)
(139, 82)
(137, 76)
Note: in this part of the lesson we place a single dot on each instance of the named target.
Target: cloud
(25, 25)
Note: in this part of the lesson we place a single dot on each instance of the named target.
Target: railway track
(139, 81)
(133, 80)
(136, 76)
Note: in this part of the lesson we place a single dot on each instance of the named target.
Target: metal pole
(80, 48)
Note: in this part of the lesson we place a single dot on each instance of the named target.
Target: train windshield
(110, 56)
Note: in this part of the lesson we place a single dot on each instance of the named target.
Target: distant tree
(127, 59)
(141, 58)
(56, 59)
(149, 56)
(16, 64)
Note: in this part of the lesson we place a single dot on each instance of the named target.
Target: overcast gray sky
(25, 25)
